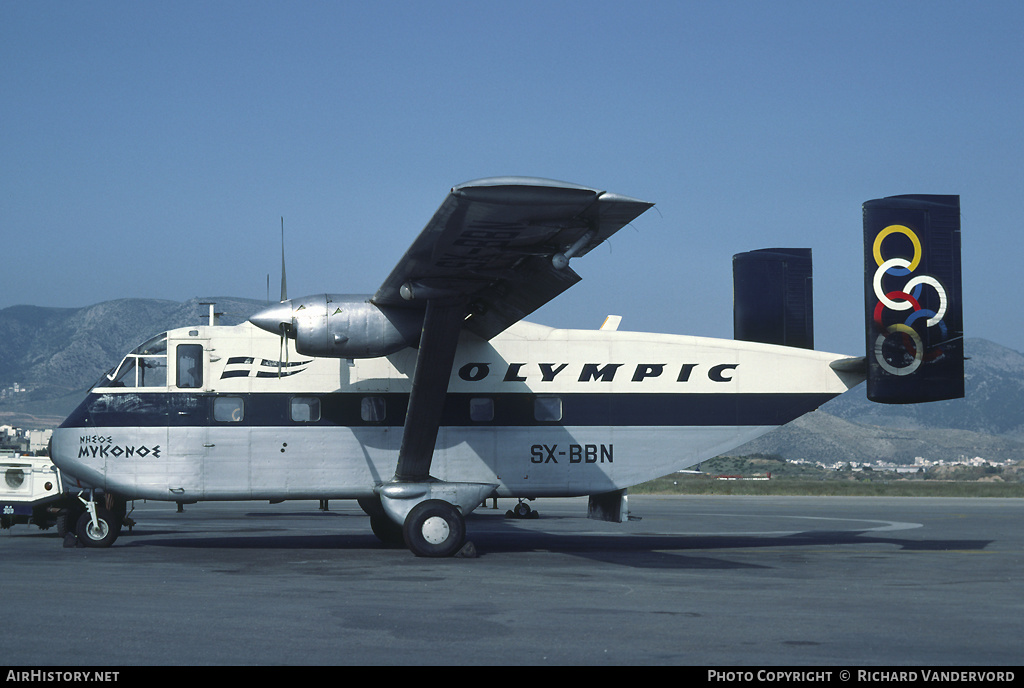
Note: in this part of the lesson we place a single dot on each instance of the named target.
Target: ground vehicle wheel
(102, 536)
(434, 528)
(67, 521)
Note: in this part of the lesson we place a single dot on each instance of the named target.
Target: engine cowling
(342, 326)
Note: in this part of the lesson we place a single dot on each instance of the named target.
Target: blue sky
(150, 149)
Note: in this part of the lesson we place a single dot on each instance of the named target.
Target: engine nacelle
(342, 326)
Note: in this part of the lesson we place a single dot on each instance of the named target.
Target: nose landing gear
(99, 526)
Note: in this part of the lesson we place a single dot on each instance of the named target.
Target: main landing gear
(429, 518)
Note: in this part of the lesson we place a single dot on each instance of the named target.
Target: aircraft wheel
(434, 528)
(371, 506)
(386, 530)
(523, 510)
(102, 536)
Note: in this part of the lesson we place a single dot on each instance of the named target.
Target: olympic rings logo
(907, 298)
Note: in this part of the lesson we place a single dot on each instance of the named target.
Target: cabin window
(372, 409)
(190, 366)
(547, 408)
(305, 409)
(228, 409)
(481, 409)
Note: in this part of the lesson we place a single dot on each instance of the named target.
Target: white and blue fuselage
(218, 413)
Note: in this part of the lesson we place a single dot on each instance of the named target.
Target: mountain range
(58, 353)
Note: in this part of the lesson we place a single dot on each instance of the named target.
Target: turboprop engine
(341, 326)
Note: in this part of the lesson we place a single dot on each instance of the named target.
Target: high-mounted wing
(503, 244)
(496, 249)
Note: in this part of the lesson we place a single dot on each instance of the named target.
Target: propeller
(279, 317)
(283, 351)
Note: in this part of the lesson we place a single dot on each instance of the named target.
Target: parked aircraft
(432, 394)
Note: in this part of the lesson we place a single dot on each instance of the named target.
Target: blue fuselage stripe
(182, 409)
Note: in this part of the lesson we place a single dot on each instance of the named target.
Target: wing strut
(442, 324)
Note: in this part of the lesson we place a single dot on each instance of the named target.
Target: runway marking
(884, 527)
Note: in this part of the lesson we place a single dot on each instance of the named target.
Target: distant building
(13, 390)
(39, 440)
(24, 441)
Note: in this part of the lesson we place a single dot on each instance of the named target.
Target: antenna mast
(284, 289)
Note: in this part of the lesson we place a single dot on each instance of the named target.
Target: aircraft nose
(76, 463)
(272, 317)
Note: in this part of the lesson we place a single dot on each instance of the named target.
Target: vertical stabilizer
(912, 294)
(773, 298)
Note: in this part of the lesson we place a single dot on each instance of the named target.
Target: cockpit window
(157, 346)
(145, 366)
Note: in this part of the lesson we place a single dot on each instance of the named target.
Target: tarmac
(710, 581)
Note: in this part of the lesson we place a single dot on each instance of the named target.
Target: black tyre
(387, 531)
(102, 536)
(67, 521)
(434, 528)
(371, 506)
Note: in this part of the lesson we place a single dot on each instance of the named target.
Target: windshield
(155, 346)
(145, 366)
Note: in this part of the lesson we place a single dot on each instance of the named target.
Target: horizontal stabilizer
(912, 294)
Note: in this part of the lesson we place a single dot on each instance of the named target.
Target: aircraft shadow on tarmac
(673, 551)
